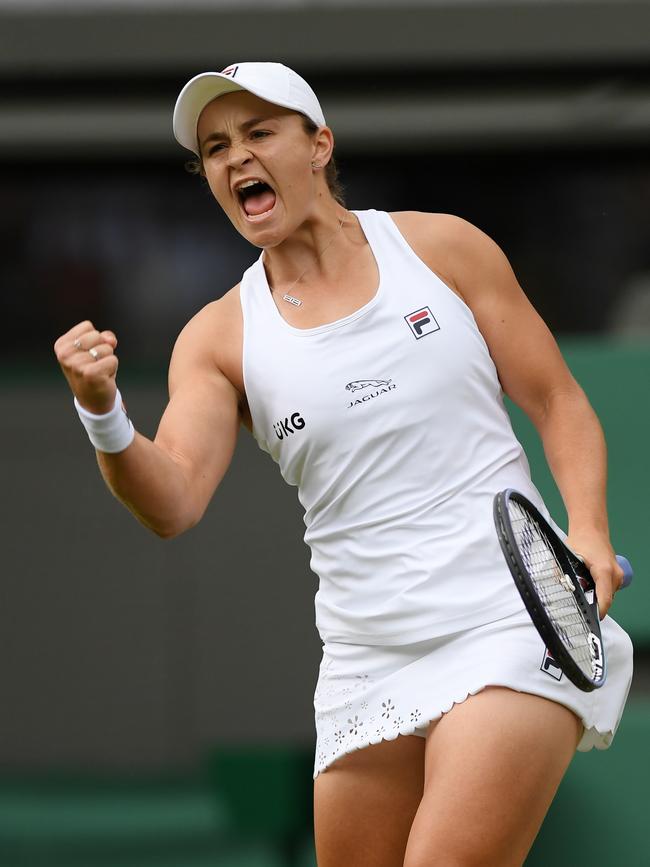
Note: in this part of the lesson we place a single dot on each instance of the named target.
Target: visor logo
(230, 71)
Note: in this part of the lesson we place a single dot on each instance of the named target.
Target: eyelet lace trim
(368, 724)
(385, 719)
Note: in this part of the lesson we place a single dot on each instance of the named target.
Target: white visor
(272, 82)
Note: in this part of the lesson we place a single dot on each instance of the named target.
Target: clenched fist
(88, 361)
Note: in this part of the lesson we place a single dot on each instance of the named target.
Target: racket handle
(624, 563)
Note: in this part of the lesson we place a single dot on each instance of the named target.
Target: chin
(267, 233)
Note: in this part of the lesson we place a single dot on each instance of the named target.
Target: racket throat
(567, 583)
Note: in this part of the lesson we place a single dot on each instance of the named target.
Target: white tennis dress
(392, 425)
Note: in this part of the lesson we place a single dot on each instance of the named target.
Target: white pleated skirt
(366, 693)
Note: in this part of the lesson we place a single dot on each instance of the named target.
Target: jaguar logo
(378, 386)
(358, 384)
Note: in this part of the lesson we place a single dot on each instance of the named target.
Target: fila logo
(422, 322)
(230, 70)
(283, 428)
(550, 666)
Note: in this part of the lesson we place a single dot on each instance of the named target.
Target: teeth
(248, 184)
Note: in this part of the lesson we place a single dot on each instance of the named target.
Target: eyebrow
(244, 127)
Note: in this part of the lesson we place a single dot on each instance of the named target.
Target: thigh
(492, 766)
(364, 804)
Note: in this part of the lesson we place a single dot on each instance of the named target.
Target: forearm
(166, 483)
(151, 484)
(575, 449)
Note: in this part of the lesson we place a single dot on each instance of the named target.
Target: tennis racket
(556, 588)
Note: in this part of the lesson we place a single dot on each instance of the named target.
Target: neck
(301, 252)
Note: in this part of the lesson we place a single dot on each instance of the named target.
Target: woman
(367, 353)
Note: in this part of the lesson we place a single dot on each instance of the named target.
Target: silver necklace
(291, 298)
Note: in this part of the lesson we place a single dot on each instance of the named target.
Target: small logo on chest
(421, 322)
(376, 387)
(289, 425)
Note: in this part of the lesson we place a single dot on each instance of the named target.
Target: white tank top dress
(391, 424)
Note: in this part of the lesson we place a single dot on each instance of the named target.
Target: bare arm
(167, 483)
(534, 374)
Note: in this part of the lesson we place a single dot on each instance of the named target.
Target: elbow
(560, 401)
(166, 532)
(170, 529)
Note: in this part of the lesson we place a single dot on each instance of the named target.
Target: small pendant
(295, 301)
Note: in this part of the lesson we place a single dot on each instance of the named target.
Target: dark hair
(195, 165)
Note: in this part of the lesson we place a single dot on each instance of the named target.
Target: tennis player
(368, 354)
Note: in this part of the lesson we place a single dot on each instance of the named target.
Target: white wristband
(110, 432)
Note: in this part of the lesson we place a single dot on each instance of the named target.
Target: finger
(605, 584)
(80, 328)
(619, 576)
(70, 336)
(103, 367)
(96, 372)
(109, 337)
(98, 351)
(85, 342)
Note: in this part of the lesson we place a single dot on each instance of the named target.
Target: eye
(213, 149)
(260, 133)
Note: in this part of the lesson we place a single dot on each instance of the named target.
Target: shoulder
(211, 336)
(215, 318)
(440, 231)
(452, 247)
(425, 221)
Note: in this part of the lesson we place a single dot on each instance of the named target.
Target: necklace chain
(287, 295)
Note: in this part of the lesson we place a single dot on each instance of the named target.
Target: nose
(238, 155)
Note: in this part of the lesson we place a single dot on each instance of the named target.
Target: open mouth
(257, 198)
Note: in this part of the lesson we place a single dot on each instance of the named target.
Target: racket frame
(571, 566)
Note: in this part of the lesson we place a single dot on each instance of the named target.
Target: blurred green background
(157, 696)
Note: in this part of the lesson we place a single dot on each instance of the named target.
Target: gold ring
(94, 353)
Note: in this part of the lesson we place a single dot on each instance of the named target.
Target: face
(244, 139)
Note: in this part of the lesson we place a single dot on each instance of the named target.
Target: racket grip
(624, 563)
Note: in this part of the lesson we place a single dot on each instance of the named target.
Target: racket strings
(553, 587)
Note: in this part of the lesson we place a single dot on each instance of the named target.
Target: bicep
(200, 425)
(527, 358)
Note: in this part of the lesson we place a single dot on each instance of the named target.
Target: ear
(323, 147)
